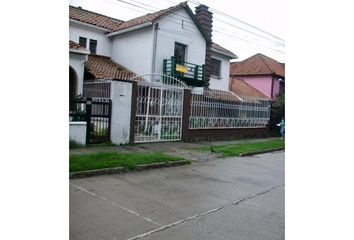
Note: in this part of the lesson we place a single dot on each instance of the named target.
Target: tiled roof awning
(77, 48)
(244, 90)
(74, 45)
(104, 68)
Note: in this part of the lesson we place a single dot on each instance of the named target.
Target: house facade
(261, 72)
(156, 48)
(173, 41)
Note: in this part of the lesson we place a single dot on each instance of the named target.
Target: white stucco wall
(121, 95)
(76, 61)
(133, 50)
(103, 44)
(77, 132)
(171, 30)
(221, 83)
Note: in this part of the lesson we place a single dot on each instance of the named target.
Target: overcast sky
(243, 40)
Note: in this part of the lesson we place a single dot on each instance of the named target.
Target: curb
(119, 170)
(259, 152)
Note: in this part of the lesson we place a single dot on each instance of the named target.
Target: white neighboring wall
(222, 82)
(76, 61)
(121, 96)
(103, 44)
(179, 27)
(133, 50)
(77, 132)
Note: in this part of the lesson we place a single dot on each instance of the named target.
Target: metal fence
(158, 113)
(97, 89)
(223, 109)
(96, 112)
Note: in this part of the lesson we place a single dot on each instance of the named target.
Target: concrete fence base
(77, 132)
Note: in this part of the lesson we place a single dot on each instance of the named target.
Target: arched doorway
(72, 84)
(88, 75)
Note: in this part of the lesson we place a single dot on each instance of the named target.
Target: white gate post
(121, 95)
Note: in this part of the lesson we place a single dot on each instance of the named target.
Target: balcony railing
(191, 74)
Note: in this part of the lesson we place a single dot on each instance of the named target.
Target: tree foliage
(280, 100)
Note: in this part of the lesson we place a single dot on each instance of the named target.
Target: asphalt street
(230, 198)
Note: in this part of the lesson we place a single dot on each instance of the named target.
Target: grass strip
(237, 149)
(82, 162)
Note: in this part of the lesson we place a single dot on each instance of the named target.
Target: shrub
(73, 144)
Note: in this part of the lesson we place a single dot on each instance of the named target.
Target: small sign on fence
(181, 68)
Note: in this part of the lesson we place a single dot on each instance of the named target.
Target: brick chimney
(205, 19)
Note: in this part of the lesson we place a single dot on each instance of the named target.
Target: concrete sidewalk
(183, 149)
(230, 198)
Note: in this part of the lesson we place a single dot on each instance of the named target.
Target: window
(93, 46)
(216, 66)
(82, 41)
(180, 53)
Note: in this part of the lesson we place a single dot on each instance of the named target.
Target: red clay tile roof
(93, 18)
(243, 89)
(104, 68)
(150, 17)
(258, 64)
(74, 45)
(115, 25)
(224, 50)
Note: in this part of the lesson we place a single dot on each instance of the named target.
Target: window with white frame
(216, 68)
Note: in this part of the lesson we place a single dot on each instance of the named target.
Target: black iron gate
(97, 114)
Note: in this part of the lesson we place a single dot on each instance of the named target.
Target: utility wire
(154, 9)
(132, 4)
(238, 20)
(248, 31)
(247, 41)
(215, 29)
(217, 19)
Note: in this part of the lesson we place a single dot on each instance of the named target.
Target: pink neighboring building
(261, 72)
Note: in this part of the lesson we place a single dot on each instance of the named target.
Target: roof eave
(231, 56)
(89, 25)
(250, 74)
(136, 27)
(79, 51)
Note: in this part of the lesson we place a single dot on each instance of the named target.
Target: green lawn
(82, 162)
(237, 149)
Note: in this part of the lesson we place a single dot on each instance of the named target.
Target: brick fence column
(133, 111)
(187, 98)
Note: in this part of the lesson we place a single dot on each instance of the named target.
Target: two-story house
(261, 72)
(173, 41)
